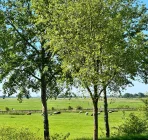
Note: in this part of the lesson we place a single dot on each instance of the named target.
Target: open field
(35, 103)
(78, 125)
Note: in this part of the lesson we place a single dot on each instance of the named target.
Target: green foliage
(135, 137)
(145, 108)
(7, 109)
(52, 108)
(94, 48)
(123, 106)
(16, 113)
(10, 133)
(70, 108)
(23, 54)
(60, 136)
(79, 107)
(133, 125)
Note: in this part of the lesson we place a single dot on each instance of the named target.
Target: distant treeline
(136, 95)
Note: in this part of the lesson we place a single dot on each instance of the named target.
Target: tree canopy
(102, 43)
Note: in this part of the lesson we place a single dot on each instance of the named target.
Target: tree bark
(95, 103)
(44, 97)
(106, 114)
(44, 109)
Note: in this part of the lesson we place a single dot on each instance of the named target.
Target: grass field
(35, 103)
(78, 125)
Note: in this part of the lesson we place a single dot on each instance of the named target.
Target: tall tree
(106, 114)
(26, 61)
(99, 42)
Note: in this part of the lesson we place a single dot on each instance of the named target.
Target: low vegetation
(12, 133)
(133, 125)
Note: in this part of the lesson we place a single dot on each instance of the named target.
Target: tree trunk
(44, 96)
(44, 110)
(106, 115)
(95, 103)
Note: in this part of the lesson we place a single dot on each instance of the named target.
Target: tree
(106, 114)
(26, 63)
(98, 44)
(127, 95)
(141, 95)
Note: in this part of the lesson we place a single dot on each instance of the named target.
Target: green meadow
(77, 124)
(35, 103)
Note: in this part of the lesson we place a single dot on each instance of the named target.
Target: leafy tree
(141, 95)
(100, 42)
(127, 95)
(26, 62)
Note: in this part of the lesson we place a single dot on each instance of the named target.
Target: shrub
(10, 133)
(70, 108)
(7, 109)
(60, 136)
(133, 125)
(145, 108)
(52, 108)
(79, 107)
(16, 113)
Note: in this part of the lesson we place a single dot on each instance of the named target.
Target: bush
(7, 109)
(10, 133)
(52, 108)
(145, 108)
(60, 136)
(70, 108)
(79, 108)
(16, 113)
(133, 125)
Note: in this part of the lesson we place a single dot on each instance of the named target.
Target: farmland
(78, 125)
(35, 103)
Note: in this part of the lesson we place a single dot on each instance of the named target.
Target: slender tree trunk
(44, 96)
(44, 110)
(95, 103)
(106, 114)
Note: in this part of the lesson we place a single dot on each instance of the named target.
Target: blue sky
(138, 87)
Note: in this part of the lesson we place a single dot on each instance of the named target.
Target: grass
(35, 103)
(132, 137)
(78, 125)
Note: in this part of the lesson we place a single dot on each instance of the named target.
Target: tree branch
(31, 74)
(22, 36)
(91, 94)
(107, 84)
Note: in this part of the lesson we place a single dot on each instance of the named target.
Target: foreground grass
(78, 125)
(132, 137)
(11, 133)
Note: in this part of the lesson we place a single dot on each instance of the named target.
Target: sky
(138, 87)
